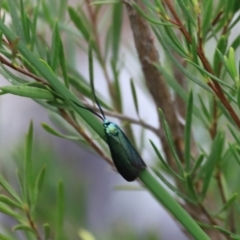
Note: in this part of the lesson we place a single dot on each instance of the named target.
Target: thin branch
(18, 69)
(32, 224)
(125, 118)
(65, 115)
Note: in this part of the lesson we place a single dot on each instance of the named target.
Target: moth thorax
(110, 128)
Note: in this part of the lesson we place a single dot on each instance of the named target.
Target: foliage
(200, 72)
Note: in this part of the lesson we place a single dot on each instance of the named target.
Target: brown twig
(32, 224)
(124, 117)
(18, 69)
(65, 115)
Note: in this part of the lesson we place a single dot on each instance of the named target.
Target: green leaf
(231, 62)
(221, 46)
(52, 131)
(170, 141)
(134, 95)
(190, 187)
(215, 156)
(117, 98)
(62, 62)
(29, 92)
(233, 132)
(207, 17)
(3, 237)
(187, 132)
(165, 165)
(228, 204)
(9, 189)
(8, 211)
(78, 22)
(25, 21)
(60, 211)
(24, 227)
(16, 20)
(204, 109)
(197, 164)
(39, 184)
(172, 187)
(8, 201)
(47, 232)
(188, 14)
(55, 47)
(34, 26)
(116, 29)
(27, 172)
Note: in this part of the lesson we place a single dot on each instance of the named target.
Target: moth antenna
(90, 61)
(90, 110)
(96, 100)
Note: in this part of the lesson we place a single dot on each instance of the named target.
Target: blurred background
(94, 200)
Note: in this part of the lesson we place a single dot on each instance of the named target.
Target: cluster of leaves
(203, 174)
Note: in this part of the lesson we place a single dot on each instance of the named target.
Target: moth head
(110, 127)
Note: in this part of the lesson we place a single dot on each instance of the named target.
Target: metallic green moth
(126, 159)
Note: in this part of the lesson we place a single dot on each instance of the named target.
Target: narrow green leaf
(221, 46)
(24, 227)
(214, 157)
(170, 141)
(116, 29)
(8, 211)
(52, 131)
(62, 62)
(149, 18)
(204, 109)
(228, 204)
(233, 132)
(87, 92)
(231, 62)
(235, 44)
(172, 187)
(47, 232)
(172, 205)
(9, 189)
(188, 14)
(197, 164)
(3, 237)
(223, 230)
(117, 90)
(8, 201)
(34, 26)
(165, 165)
(55, 47)
(16, 20)
(27, 175)
(190, 187)
(187, 132)
(24, 20)
(78, 22)
(30, 92)
(39, 184)
(134, 95)
(207, 17)
(60, 211)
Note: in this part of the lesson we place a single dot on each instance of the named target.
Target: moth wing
(125, 157)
